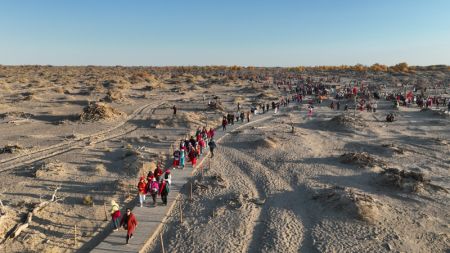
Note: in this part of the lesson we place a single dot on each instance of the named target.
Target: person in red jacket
(211, 133)
(193, 156)
(142, 190)
(158, 172)
(130, 223)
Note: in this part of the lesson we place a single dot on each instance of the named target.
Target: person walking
(224, 123)
(193, 156)
(182, 156)
(174, 108)
(176, 159)
(212, 145)
(158, 172)
(115, 215)
(129, 223)
(164, 188)
(154, 188)
(142, 191)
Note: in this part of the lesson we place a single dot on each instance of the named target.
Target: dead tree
(21, 226)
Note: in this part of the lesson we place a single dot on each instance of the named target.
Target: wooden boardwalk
(151, 219)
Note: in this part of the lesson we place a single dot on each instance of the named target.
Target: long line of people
(158, 182)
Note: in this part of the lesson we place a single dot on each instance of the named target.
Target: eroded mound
(99, 111)
(113, 95)
(361, 159)
(50, 169)
(354, 203)
(186, 119)
(346, 121)
(410, 181)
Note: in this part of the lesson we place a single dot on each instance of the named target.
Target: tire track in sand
(277, 228)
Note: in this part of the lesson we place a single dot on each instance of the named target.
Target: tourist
(154, 188)
(174, 108)
(115, 215)
(158, 172)
(211, 133)
(176, 159)
(193, 156)
(129, 223)
(142, 191)
(224, 123)
(150, 176)
(164, 187)
(212, 146)
(182, 156)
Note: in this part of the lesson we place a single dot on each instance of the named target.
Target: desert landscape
(73, 138)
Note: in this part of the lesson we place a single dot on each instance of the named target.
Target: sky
(233, 32)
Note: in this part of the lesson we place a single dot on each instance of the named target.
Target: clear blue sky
(209, 32)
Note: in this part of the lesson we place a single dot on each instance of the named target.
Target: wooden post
(162, 243)
(75, 235)
(201, 171)
(104, 208)
(190, 191)
(181, 214)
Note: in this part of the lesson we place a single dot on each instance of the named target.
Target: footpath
(151, 219)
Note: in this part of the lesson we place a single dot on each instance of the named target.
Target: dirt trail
(118, 130)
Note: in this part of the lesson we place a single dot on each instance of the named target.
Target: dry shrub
(29, 96)
(361, 159)
(99, 111)
(14, 115)
(99, 169)
(50, 168)
(113, 95)
(11, 149)
(394, 148)
(59, 90)
(409, 181)
(88, 200)
(350, 201)
(117, 83)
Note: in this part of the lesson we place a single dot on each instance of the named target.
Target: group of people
(157, 182)
(128, 220)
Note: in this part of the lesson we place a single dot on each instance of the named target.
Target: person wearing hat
(142, 190)
(164, 187)
(154, 189)
(130, 223)
(115, 214)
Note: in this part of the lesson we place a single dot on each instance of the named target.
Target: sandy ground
(269, 190)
